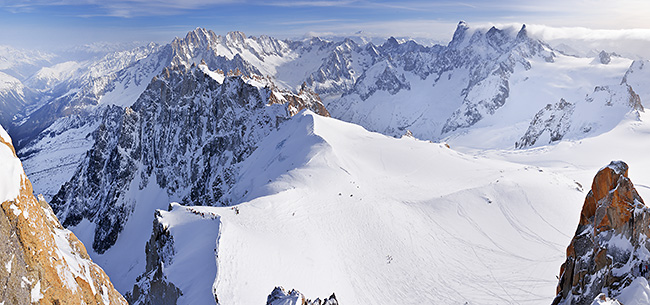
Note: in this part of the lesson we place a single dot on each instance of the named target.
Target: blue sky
(55, 23)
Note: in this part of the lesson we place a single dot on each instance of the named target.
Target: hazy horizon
(49, 25)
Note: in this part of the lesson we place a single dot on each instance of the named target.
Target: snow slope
(380, 220)
(51, 161)
(545, 83)
(581, 159)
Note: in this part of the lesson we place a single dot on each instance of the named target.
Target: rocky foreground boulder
(609, 254)
(40, 261)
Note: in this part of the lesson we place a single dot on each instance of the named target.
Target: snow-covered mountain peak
(493, 42)
(23, 63)
(8, 82)
(460, 35)
(200, 34)
(250, 55)
(236, 38)
(600, 111)
(523, 33)
(184, 114)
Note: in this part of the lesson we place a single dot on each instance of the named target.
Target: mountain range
(392, 173)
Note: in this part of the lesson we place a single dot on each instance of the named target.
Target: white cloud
(311, 3)
(582, 33)
(430, 29)
(634, 43)
(116, 8)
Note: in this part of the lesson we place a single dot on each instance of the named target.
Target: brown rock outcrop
(609, 245)
(305, 99)
(40, 261)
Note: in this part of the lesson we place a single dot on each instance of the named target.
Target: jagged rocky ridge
(174, 275)
(42, 262)
(607, 105)
(186, 133)
(346, 68)
(490, 68)
(74, 88)
(345, 73)
(153, 287)
(469, 79)
(280, 296)
(120, 77)
(76, 105)
(553, 119)
(610, 247)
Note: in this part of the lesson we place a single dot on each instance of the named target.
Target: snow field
(415, 222)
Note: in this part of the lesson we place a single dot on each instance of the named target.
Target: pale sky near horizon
(59, 23)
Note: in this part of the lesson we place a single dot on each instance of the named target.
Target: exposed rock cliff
(186, 134)
(41, 261)
(554, 120)
(600, 111)
(280, 296)
(153, 287)
(610, 249)
(491, 58)
(181, 263)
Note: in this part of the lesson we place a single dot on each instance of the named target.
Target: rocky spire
(523, 33)
(609, 249)
(459, 34)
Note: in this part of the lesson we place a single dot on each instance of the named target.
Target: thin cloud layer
(115, 8)
(40, 20)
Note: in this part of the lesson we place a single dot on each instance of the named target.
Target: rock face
(280, 296)
(381, 76)
(152, 287)
(41, 261)
(491, 58)
(187, 133)
(440, 90)
(598, 112)
(181, 263)
(604, 57)
(554, 119)
(610, 247)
